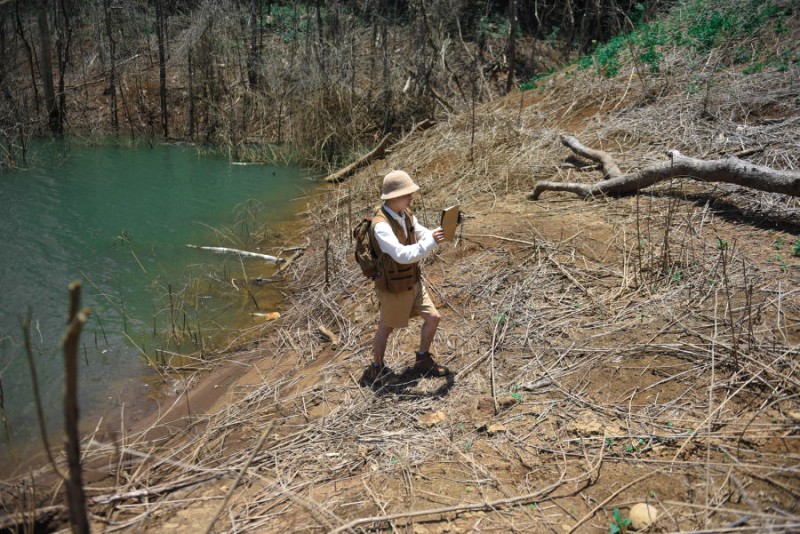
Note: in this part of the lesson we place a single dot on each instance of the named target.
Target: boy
(401, 242)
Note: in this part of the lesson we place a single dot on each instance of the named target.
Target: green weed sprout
(618, 525)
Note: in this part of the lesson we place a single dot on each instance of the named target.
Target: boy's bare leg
(379, 344)
(429, 325)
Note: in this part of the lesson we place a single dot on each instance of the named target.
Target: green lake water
(118, 220)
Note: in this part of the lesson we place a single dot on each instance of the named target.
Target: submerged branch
(224, 250)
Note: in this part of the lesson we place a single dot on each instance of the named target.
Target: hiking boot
(427, 367)
(379, 375)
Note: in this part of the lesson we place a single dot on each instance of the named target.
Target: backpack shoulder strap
(380, 215)
(409, 221)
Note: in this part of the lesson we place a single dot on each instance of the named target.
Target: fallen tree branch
(365, 160)
(421, 125)
(155, 490)
(730, 170)
(285, 266)
(224, 250)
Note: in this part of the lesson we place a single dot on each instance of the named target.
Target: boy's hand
(438, 235)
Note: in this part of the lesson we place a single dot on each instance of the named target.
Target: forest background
(322, 78)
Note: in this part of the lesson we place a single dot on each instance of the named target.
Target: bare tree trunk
(387, 79)
(125, 108)
(77, 500)
(45, 50)
(162, 65)
(421, 61)
(730, 170)
(30, 52)
(112, 81)
(190, 77)
(321, 52)
(61, 14)
(372, 52)
(252, 58)
(8, 125)
(3, 64)
(511, 44)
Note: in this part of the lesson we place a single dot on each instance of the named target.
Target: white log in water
(224, 250)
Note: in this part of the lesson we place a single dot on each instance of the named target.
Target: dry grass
(606, 352)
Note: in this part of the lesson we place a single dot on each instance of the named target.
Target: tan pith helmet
(398, 184)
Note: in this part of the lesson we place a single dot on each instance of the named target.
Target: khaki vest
(392, 276)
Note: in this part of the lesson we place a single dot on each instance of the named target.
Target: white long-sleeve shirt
(404, 254)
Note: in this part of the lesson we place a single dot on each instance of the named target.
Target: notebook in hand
(450, 221)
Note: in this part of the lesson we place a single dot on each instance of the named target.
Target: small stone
(586, 424)
(431, 419)
(642, 515)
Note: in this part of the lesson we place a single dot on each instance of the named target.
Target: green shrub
(699, 25)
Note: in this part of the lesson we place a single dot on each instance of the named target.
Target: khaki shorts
(397, 308)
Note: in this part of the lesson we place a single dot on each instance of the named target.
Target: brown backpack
(366, 257)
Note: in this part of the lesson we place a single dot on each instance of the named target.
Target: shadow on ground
(404, 384)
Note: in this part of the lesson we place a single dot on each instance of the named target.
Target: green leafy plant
(674, 275)
(796, 248)
(634, 447)
(618, 524)
(753, 68)
(500, 318)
